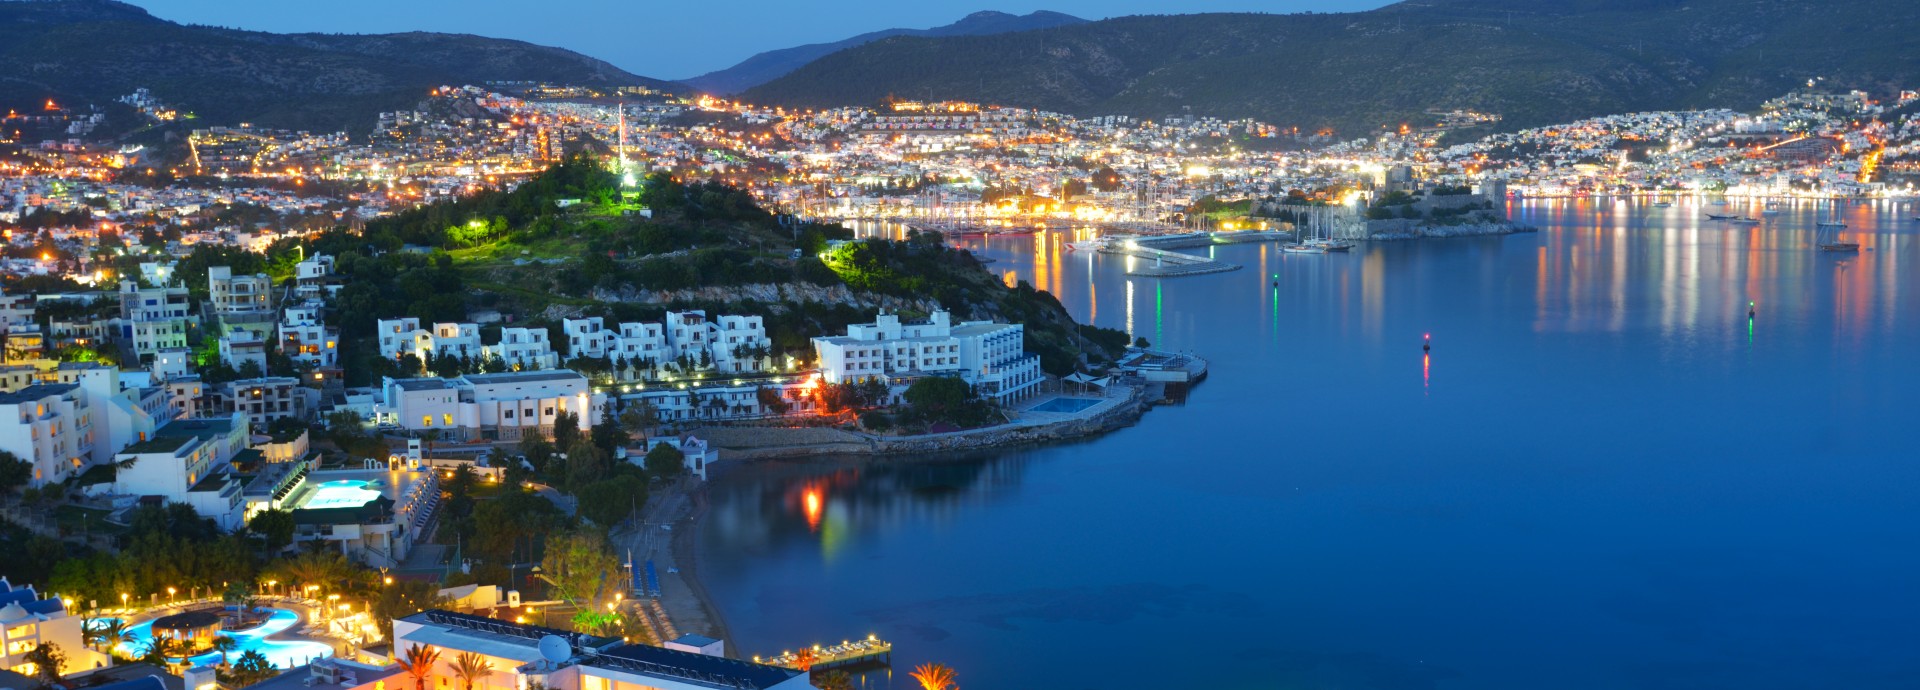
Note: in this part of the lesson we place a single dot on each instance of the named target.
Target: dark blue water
(1605, 477)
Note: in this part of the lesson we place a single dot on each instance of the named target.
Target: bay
(1605, 475)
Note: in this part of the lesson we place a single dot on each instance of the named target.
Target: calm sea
(1604, 476)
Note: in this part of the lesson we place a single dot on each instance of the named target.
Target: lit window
(426, 420)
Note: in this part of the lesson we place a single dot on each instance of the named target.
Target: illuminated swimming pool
(283, 653)
(340, 493)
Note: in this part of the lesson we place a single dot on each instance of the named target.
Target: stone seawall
(751, 443)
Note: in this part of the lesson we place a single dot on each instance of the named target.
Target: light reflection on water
(1604, 475)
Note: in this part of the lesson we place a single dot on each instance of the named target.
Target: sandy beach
(668, 536)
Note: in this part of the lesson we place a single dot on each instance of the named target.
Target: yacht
(1303, 249)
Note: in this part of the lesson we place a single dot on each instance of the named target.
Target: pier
(1170, 264)
(872, 650)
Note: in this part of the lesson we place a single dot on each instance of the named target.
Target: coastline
(685, 548)
(768, 443)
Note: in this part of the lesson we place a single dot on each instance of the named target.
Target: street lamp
(123, 600)
(170, 592)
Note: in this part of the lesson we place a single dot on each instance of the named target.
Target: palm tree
(109, 634)
(419, 663)
(160, 651)
(471, 668)
(833, 680)
(224, 644)
(934, 677)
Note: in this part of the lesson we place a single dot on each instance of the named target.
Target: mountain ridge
(1362, 70)
(93, 51)
(768, 65)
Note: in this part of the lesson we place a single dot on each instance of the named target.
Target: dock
(1170, 264)
(872, 650)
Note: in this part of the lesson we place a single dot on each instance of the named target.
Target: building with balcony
(229, 294)
(50, 426)
(493, 407)
(991, 356)
(183, 469)
(28, 619)
(268, 398)
(524, 348)
(306, 338)
(242, 346)
(152, 319)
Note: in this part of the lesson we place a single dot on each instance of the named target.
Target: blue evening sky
(667, 39)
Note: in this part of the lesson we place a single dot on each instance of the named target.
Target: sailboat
(1834, 225)
(1326, 241)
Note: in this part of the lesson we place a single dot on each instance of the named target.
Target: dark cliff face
(93, 51)
(1360, 71)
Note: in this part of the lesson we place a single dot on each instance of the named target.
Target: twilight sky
(668, 39)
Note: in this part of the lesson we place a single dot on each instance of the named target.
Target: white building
(739, 344)
(28, 619)
(152, 319)
(689, 333)
(524, 348)
(494, 407)
(242, 346)
(991, 356)
(51, 426)
(587, 337)
(306, 338)
(730, 344)
(397, 336)
(171, 363)
(183, 469)
(404, 336)
(313, 278)
(121, 414)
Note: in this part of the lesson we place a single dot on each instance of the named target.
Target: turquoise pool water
(1066, 405)
(283, 653)
(340, 493)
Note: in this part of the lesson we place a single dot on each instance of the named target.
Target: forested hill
(90, 52)
(1532, 62)
(765, 67)
(704, 246)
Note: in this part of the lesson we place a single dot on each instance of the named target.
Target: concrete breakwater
(761, 443)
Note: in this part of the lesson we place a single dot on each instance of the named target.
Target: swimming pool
(1068, 405)
(340, 493)
(283, 653)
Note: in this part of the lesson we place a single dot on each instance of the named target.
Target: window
(509, 414)
(448, 418)
(426, 420)
(549, 412)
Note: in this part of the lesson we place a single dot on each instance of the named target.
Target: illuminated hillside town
(357, 457)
